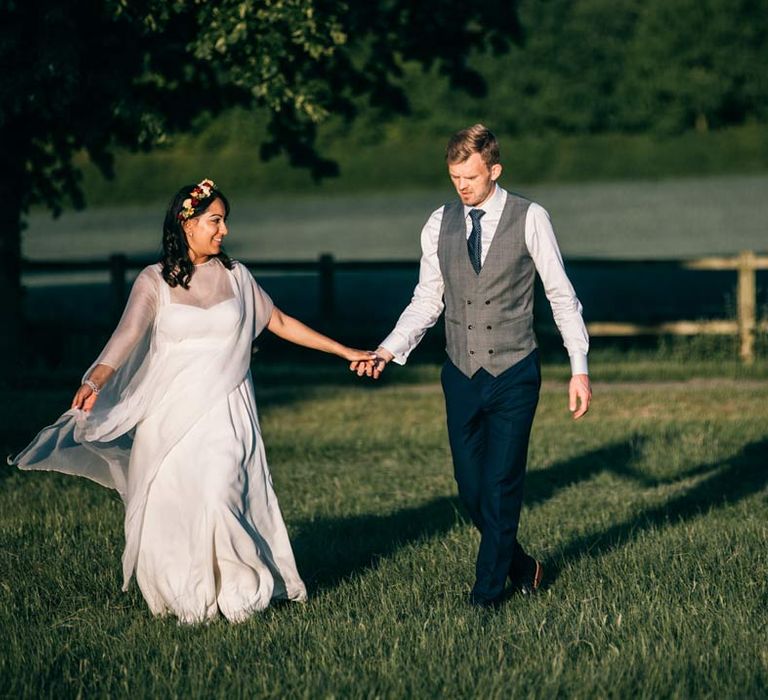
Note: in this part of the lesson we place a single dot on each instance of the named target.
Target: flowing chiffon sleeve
(263, 306)
(136, 320)
(97, 445)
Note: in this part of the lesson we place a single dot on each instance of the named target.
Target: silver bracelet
(94, 386)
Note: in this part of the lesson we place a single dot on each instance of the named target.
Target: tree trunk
(11, 344)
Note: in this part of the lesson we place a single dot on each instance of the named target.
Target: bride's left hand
(84, 398)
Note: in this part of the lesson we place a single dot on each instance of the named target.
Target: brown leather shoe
(529, 582)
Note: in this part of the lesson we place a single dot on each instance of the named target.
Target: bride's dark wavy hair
(177, 267)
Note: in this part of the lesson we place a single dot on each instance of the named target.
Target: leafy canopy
(89, 75)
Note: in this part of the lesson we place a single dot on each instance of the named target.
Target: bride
(166, 416)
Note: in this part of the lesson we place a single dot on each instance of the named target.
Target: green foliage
(650, 518)
(91, 76)
(407, 155)
(697, 64)
(599, 66)
(566, 76)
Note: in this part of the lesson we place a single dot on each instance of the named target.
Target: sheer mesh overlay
(210, 285)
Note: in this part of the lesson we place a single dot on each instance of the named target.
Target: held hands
(579, 395)
(358, 356)
(374, 366)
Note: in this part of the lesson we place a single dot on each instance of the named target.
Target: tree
(696, 64)
(597, 66)
(92, 75)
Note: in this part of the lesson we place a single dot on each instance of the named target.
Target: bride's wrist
(93, 386)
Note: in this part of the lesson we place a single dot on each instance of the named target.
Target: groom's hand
(579, 395)
(373, 368)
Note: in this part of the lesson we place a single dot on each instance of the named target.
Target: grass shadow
(541, 485)
(728, 482)
(6, 470)
(331, 550)
(617, 458)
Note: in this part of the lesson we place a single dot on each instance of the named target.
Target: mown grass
(650, 516)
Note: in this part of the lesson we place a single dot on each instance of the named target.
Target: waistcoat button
(490, 352)
(469, 301)
(489, 327)
(487, 302)
(470, 326)
(471, 352)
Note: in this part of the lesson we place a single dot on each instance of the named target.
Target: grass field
(650, 516)
(671, 218)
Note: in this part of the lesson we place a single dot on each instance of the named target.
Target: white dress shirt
(427, 303)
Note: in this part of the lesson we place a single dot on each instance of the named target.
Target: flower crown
(202, 190)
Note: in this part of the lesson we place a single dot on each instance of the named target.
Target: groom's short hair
(474, 139)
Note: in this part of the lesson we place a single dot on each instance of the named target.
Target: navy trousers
(489, 424)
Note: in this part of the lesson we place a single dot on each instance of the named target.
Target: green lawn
(670, 218)
(650, 516)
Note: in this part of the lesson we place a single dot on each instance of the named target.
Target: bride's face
(205, 233)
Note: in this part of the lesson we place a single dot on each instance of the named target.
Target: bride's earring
(191, 251)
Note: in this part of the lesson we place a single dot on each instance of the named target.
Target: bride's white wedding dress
(176, 432)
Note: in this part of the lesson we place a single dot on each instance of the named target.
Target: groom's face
(473, 179)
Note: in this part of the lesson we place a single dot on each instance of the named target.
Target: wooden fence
(745, 326)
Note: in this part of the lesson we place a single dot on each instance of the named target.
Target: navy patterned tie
(474, 242)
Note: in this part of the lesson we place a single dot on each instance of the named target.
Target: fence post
(117, 267)
(747, 302)
(325, 267)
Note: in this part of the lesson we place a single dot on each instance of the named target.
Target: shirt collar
(493, 205)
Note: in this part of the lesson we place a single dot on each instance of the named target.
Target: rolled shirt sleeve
(427, 303)
(566, 307)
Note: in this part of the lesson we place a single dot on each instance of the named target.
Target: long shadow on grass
(542, 485)
(617, 458)
(331, 550)
(729, 482)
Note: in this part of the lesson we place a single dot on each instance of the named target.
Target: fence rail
(326, 266)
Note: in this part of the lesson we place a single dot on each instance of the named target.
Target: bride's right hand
(85, 398)
(373, 368)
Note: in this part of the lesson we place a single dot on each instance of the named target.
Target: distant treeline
(597, 66)
(594, 66)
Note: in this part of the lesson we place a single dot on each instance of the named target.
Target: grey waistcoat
(488, 316)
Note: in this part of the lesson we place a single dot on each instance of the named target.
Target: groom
(480, 256)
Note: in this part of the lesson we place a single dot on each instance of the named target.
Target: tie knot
(476, 215)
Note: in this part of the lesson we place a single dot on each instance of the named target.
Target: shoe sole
(538, 575)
